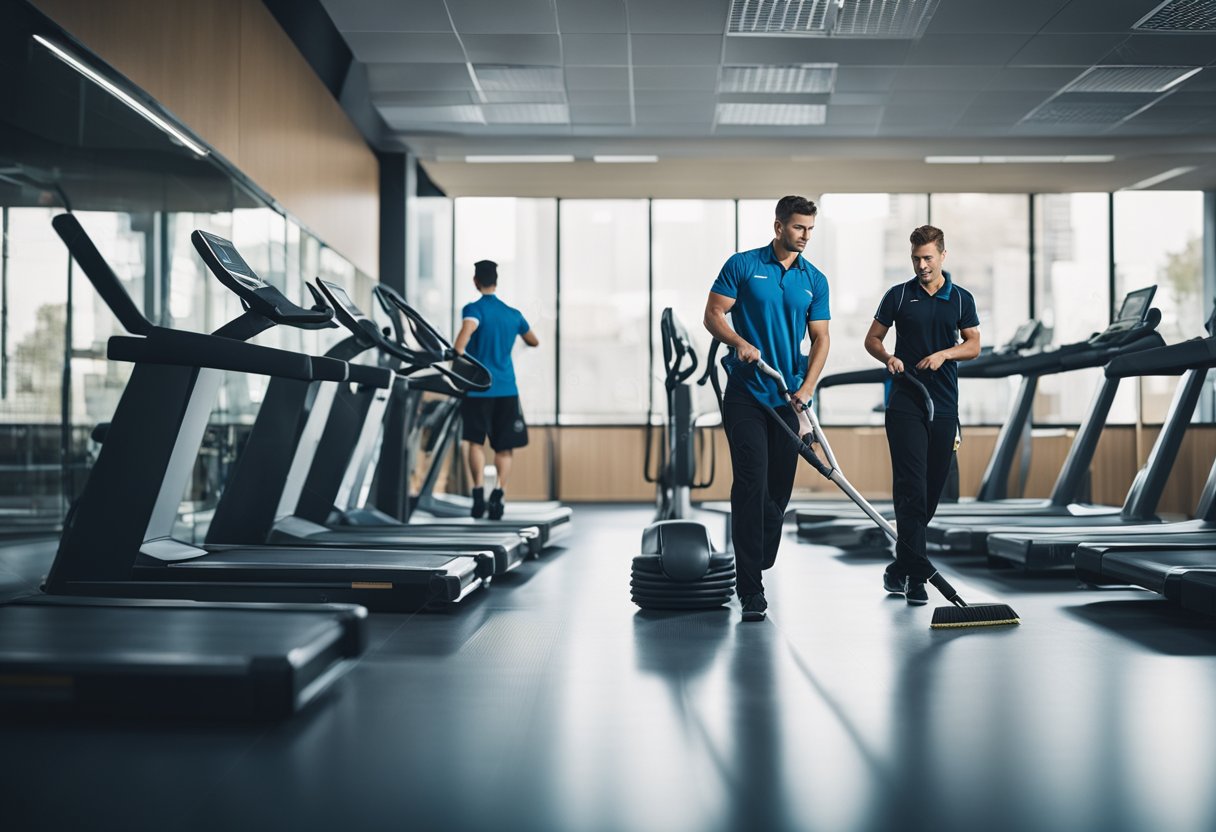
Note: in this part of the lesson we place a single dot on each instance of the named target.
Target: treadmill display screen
(347, 304)
(233, 263)
(1135, 305)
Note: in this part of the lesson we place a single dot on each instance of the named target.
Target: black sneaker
(495, 505)
(754, 607)
(893, 584)
(479, 503)
(914, 592)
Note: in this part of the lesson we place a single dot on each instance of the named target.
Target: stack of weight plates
(679, 570)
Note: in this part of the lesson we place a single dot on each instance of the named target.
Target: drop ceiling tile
(618, 97)
(592, 16)
(797, 50)
(663, 97)
(392, 77)
(599, 114)
(1165, 50)
(942, 78)
(864, 116)
(865, 78)
(405, 47)
(595, 50)
(489, 17)
(388, 15)
(956, 50)
(676, 50)
(1027, 78)
(676, 112)
(425, 98)
(970, 17)
(597, 78)
(675, 77)
(678, 17)
(1065, 50)
(858, 99)
(532, 50)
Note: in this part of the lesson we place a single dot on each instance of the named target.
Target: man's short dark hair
(485, 273)
(787, 206)
(928, 234)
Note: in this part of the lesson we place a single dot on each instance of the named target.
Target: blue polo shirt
(498, 325)
(925, 324)
(772, 308)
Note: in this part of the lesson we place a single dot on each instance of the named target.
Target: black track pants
(921, 452)
(764, 458)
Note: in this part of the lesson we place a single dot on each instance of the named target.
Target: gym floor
(552, 703)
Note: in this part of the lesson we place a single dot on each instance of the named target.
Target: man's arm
(967, 350)
(715, 321)
(821, 342)
(874, 347)
(530, 339)
(467, 328)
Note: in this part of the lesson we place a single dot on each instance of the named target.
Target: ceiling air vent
(1091, 113)
(526, 113)
(1130, 78)
(799, 78)
(1180, 16)
(835, 18)
(771, 115)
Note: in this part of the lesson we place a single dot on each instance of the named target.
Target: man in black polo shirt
(930, 313)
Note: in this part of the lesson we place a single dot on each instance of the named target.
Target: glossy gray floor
(551, 703)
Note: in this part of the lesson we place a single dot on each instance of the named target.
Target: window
(605, 303)
(1159, 239)
(988, 252)
(691, 239)
(1072, 292)
(428, 279)
(520, 235)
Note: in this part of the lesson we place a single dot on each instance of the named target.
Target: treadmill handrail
(1172, 359)
(99, 273)
(196, 349)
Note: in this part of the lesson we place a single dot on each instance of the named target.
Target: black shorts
(498, 416)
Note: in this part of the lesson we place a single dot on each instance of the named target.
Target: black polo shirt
(925, 324)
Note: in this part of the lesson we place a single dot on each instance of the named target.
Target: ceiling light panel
(884, 18)
(779, 17)
(526, 113)
(1180, 16)
(498, 78)
(1130, 78)
(774, 115)
(797, 78)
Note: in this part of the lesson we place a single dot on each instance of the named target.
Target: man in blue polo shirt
(774, 298)
(488, 332)
(930, 313)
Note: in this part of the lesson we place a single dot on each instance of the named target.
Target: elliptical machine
(678, 567)
(680, 446)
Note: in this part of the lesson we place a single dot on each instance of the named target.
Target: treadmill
(118, 539)
(554, 519)
(1048, 547)
(298, 462)
(840, 523)
(1133, 330)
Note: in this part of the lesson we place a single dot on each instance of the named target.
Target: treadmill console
(1133, 312)
(230, 268)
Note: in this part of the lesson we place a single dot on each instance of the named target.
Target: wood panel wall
(604, 464)
(227, 71)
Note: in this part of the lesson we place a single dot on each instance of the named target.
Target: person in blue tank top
(488, 331)
(775, 298)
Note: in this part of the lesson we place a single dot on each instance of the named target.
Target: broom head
(979, 615)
